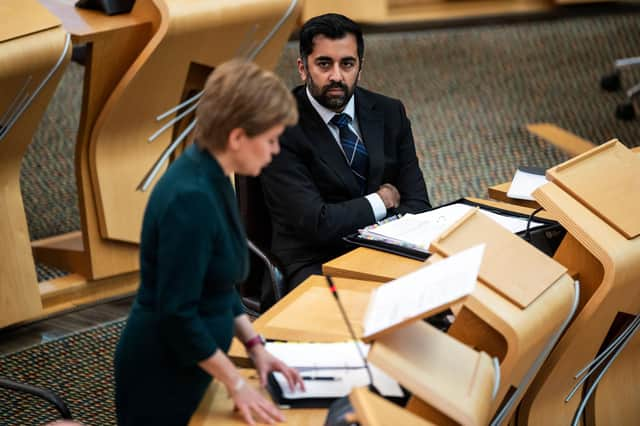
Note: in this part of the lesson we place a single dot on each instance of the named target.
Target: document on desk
(309, 356)
(329, 370)
(525, 181)
(421, 292)
(418, 230)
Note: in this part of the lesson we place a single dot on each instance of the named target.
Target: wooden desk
(380, 12)
(499, 192)
(372, 410)
(34, 51)
(486, 320)
(374, 265)
(216, 409)
(127, 59)
(98, 265)
(607, 264)
(309, 313)
(567, 141)
(86, 26)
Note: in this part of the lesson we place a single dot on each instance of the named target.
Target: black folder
(277, 395)
(546, 237)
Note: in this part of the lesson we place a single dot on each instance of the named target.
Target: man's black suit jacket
(313, 197)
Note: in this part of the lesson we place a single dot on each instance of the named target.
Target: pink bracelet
(255, 340)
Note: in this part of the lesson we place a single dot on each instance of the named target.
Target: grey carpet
(468, 91)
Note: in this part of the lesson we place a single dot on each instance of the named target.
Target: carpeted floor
(469, 93)
(77, 367)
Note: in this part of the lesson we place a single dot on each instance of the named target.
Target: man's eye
(348, 64)
(323, 64)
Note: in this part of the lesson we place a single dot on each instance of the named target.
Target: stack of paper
(525, 181)
(416, 231)
(427, 290)
(329, 370)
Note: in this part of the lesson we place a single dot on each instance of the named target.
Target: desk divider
(511, 266)
(442, 373)
(373, 410)
(607, 182)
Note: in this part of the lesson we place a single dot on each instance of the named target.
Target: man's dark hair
(331, 25)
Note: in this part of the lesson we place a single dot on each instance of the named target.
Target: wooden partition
(34, 51)
(451, 383)
(373, 410)
(596, 197)
(525, 300)
(138, 66)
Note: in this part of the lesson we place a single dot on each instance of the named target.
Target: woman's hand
(247, 399)
(249, 402)
(265, 363)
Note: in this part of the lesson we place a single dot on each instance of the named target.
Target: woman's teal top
(193, 252)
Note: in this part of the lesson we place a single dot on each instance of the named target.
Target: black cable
(527, 233)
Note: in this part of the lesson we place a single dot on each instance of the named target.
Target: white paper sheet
(420, 229)
(339, 361)
(423, 290)
(524, 183)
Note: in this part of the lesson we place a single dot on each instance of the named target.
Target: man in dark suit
(349, 161)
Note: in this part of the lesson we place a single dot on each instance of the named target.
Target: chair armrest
(275, 274)
(39, 392)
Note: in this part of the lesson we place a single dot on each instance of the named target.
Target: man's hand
(390, 196)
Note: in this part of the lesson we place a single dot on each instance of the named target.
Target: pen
(327, 378)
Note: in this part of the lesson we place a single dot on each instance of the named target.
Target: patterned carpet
(77, 367)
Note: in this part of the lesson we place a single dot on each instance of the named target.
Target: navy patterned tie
(354, 150)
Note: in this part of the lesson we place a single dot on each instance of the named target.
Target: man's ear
(236, 137)
(302, 70)
(360, 70)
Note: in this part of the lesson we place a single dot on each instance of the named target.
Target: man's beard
(332, 102)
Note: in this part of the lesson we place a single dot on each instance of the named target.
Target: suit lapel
(371, 123)
(324, 143)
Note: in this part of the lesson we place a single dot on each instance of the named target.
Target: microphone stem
(353, 334)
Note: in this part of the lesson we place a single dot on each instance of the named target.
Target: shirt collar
(325, 113)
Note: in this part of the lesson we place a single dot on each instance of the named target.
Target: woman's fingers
(246, 414)
(293, 378)
(252, 404)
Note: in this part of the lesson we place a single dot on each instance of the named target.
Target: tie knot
(341, 120)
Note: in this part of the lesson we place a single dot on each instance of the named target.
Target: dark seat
(612, 82)
(266, 282)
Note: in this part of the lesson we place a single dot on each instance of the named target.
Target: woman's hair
(240, 94)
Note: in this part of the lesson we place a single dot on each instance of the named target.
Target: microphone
(334, 291)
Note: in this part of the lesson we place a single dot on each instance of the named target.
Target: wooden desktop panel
(216, 408)
(310, 312)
